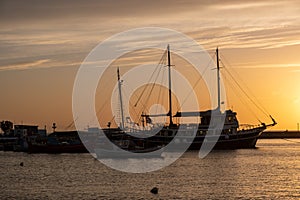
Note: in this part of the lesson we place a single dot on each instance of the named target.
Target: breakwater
(279, 134)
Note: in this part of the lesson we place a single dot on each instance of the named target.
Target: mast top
(118, 72)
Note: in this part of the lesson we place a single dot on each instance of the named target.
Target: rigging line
(130, 104)
(157, 67)
(226, 89)
(242, 100)
(100, 110)
(194, 86)
(103, 90)
(248, 90)
(134, 106)
(104, 105)
(118, 109)
(160, 92)
(155, 81)
(255, 98)
(236, 89)
(151, 89)
(71, 124)
(246, 93)
(112, 119)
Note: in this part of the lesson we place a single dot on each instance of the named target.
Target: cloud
(244, 5)
(275, 36)
(38, 64)
(104, 9)
(56, 30)
(23, 66)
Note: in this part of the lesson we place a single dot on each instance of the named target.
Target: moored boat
(56, 148)
(230, 135)
(57, 142)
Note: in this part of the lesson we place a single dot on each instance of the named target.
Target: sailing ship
(230, 137)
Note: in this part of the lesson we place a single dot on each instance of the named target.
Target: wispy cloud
(244, 5)
(38, 64)
(248, 37)
(51, 29)
(23, 66)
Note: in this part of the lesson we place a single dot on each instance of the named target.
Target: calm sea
(272, 171)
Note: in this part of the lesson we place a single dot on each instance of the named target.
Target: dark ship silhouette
(230, 137)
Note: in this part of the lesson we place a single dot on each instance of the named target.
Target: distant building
(28, 130)
(25, 130)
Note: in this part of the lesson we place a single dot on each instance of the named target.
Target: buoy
(154, 190)
(21, 164)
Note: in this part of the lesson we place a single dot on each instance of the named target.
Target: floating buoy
(21, 164)
(154, 190)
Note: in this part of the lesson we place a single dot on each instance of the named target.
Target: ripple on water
(271, 171)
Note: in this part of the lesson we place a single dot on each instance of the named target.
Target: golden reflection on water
(271, 171)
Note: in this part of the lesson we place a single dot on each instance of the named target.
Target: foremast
(120, 98)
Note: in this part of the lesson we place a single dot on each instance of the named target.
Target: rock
(154, 190)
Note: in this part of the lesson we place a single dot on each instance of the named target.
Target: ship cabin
(231, 123)
(25, 130)
(230, 126)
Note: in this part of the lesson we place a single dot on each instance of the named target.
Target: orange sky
(43, 43)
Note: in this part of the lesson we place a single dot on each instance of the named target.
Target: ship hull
(241, 143)
(245, 139)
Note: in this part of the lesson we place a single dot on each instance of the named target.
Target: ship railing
(245, 127)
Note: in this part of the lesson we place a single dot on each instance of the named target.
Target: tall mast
(218, 77)
(120, 96)
(170, 86)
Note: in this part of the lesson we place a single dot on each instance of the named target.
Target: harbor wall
(279, 134)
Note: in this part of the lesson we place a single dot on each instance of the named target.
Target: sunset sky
(43, 43)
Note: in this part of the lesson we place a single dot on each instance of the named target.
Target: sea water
(272, 171)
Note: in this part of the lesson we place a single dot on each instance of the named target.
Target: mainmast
(170, 86)
(218, 77)
(121, 101)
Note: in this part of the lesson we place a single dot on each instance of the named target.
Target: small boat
(57, 142)
(56, 148)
